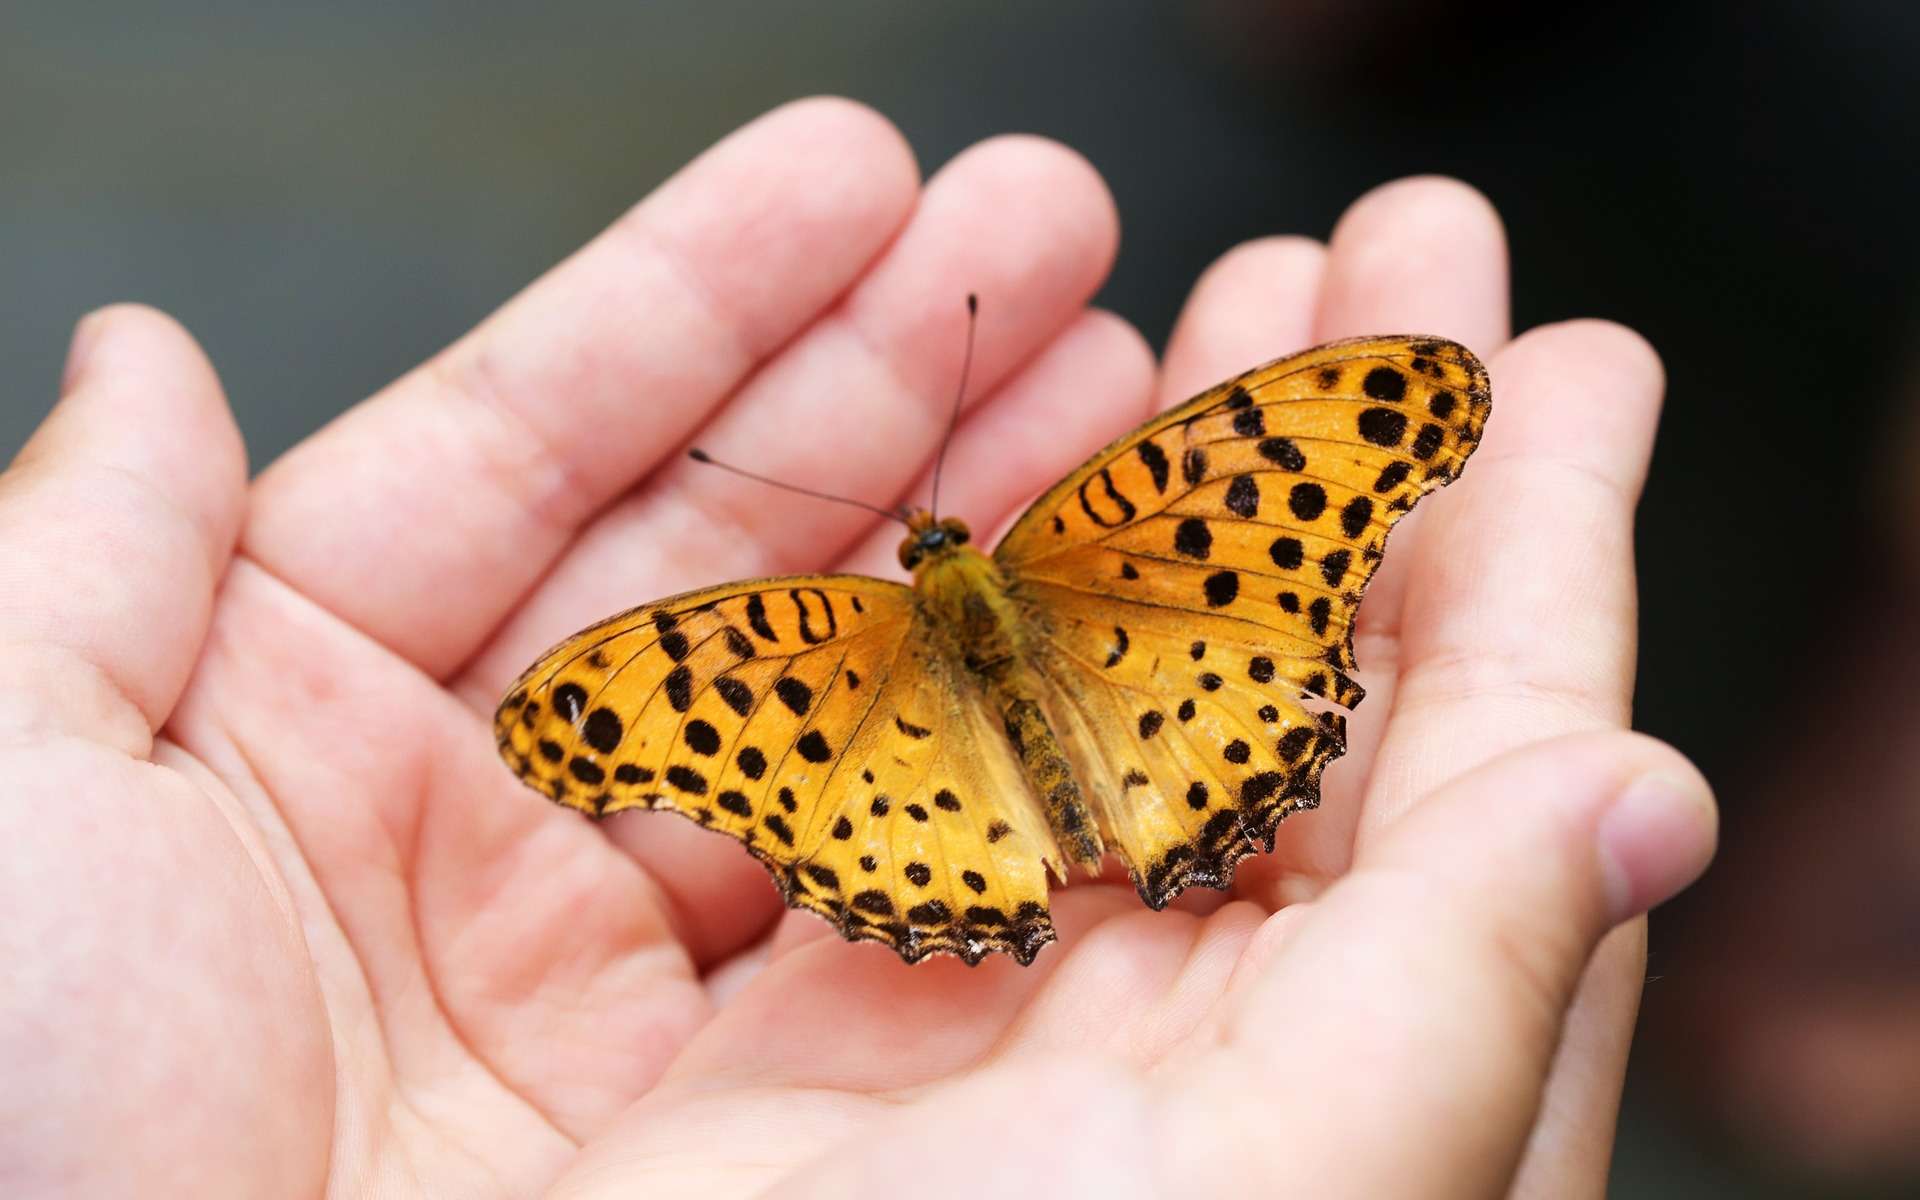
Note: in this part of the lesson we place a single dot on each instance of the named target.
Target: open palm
(312, 937)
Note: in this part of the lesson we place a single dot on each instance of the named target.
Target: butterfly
(1150, 663)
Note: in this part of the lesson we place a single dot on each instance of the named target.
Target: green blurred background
(326, 194)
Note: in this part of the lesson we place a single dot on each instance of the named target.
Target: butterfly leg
(1045, 765)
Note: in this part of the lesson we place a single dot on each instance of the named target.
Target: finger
(1092, 384)
(1444, 963)
(1014, 443)
(856, 405)
(116, 523)
(1570, 1150)
(1255, 303)
(1521, 625)
(1421, 255)
(424, 514)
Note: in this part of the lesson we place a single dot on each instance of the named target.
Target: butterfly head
(928, 536)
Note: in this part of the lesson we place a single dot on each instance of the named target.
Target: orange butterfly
(1125, 672)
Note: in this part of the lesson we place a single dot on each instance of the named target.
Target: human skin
(278, 922)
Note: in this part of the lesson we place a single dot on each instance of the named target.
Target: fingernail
(1655, 840)
(85, 333)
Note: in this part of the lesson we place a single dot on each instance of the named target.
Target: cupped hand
(278, 922)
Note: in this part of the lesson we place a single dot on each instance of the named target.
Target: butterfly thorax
(968, 598)
(991, 636)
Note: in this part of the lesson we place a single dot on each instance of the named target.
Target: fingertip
(1014, 167)
(1657, 835)
(141, 394)
(1263, 260)
(1583, 390)
(1427, 254)
(1600, 349)
(844, 126)
(1254, 303)
(1120, 347)
(1435, 203)
(128, 502)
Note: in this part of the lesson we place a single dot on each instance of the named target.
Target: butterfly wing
(816, 720)
(1197, 580)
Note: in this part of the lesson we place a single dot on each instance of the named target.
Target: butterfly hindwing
(1210, 563)
(811, 719)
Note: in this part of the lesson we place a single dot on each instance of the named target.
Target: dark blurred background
(326, 194)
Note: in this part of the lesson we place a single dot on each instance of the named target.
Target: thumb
(1409, 1017)
(116, 522)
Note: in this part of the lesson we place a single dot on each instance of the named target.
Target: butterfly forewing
(814, 720)
(1196, 584)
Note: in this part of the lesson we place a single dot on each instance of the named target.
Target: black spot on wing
(1283, 453)
(1427, 442)
(738, 696)
(1355, 515)
(793, 693)
(568, 700)
(737, 642)
(679, 687)
(1193, 539)
(1392, 476)
(603, 730)
(1384, 383)
(751, 761)
(586, 771)
(1156, 463)
(757, 618)
(1382, 426)
(1243, 494)
(701, 738)
(910, 729)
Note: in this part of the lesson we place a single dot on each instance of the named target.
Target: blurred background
(327, 194)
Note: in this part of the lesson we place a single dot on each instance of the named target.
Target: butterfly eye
(910, 552)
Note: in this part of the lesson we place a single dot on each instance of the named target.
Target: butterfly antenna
(953, 418)
(701, 456)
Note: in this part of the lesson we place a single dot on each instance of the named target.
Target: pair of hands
(278, 922)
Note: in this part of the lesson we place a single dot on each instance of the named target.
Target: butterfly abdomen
(1045, 765)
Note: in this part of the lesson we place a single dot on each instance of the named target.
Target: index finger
(422, 515)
